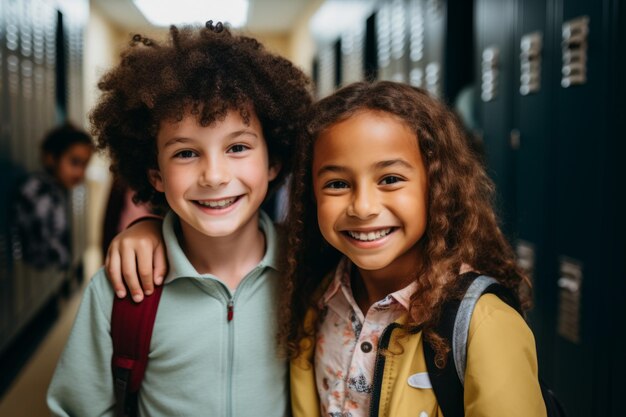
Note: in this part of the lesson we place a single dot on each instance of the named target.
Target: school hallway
(540, 87)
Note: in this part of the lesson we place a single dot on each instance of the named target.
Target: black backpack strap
(445, 381)
(453, 326)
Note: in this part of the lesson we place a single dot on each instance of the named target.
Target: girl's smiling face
(371, 190)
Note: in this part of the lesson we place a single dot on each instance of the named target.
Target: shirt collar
(179, 265)
(341, 281)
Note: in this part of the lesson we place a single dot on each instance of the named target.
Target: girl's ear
(154, 176)
(275, 167)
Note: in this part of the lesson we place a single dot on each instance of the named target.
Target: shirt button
(366, 347)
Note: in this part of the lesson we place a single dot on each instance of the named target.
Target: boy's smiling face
(215, 177)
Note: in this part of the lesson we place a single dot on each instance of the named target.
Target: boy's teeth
(368, 237)
(217, 203)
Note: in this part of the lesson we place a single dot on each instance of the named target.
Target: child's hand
(138, 250)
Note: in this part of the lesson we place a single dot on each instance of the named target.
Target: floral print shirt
(347, 340)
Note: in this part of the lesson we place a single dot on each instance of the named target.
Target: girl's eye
(237, 148)
(336, 185)
(185, 154)
(391, 179)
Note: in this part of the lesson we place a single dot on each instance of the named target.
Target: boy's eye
(391, 179)
(237, 148)
(185, 154)
(336, 185)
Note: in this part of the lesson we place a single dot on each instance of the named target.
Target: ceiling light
(336, 16)
(176, 12)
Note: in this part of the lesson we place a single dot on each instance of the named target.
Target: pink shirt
(345, 352)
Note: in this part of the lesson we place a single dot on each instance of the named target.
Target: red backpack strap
(131, 331)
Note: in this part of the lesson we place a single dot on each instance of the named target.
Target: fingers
(160, 264)
(129, 272)
(114, 271)
(144, 266)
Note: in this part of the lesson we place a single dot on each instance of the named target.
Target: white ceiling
(266, 16)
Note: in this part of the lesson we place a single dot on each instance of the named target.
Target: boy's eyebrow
(230, 136)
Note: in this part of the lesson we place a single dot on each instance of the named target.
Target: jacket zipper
(230, 315)
(379, 368)
(230, 310)
(231, 353)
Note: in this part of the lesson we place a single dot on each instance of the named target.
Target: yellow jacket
(501, 377)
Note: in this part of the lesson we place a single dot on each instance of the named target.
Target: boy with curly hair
(203, 125)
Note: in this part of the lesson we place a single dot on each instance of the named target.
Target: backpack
(454, 326)
(131, 332)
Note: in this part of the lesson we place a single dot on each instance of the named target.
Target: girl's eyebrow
(230, 136)
(392, 162)
(378, 165)
(331, 168)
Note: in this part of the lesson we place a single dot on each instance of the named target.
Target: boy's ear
(154, 176)
(274, 170)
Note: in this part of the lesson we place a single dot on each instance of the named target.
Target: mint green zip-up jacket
(200, 364)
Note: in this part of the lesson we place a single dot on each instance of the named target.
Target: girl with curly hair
(202, 126)
(391, 212)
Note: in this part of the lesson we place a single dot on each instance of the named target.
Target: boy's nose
(215, 174)
(364, 204)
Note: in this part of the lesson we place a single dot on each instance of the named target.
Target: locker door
(434, 42)
(534, 58)
(495, 23)
(4, 187)
(583, 237)
(391, 34)
(616, 288)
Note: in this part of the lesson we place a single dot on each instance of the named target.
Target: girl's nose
(364, 203)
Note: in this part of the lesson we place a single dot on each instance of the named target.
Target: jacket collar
(179, 265)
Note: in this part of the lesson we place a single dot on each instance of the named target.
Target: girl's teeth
(217, 204)
(370, 236)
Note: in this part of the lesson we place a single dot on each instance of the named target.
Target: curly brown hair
(461, 227)
(208, 71)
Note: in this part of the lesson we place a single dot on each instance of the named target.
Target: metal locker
(326, 79)
(4, 189)
(584, 229)
(27, 111)
(434, 43)
(383, 41)
(415, 11)
(494, 28)
(353, 55)
(532, 91)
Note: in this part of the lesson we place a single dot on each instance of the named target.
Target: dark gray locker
(434, 44)
(440, 46)
(494, 28)
(616, 178)
(4, 186)
(533, 90)
(559, 172)
(27, 110)
(353, 55)
(416, 35)
(584, 230)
